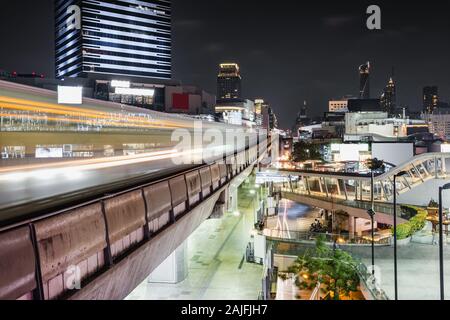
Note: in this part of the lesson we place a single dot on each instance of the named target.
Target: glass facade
(116, 37)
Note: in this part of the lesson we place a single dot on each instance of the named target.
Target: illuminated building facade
(113, 37)
(389, 98)
(364, 75)
(260, 106)
(430, 99)
(229, 82)
(338, 106)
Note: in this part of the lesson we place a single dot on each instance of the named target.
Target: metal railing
(338, 239)
(368, 280)
(386, 208)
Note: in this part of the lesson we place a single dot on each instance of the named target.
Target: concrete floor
(217, 268)
(418, 272)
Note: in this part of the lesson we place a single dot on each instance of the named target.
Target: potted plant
(404, 234)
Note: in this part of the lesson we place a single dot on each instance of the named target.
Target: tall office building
(113, 37)
(430, 99)
(389, 97)
(364, 83)
(229, 82)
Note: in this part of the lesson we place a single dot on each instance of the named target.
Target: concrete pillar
(233, 202)
(351, 226)
(174, 269)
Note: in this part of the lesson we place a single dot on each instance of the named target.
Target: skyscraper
(229, 82)
(389, 97)
(113, 37)
(364, 86)
(430, 99)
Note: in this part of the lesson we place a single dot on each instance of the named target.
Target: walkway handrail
(339, 239)
(359, 176)
(401, 167)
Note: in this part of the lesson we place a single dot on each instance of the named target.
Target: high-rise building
(430, 99)
(113, 37)
(260, 106)
(273, 119)
(303, 114)
(364, 83)
(229, 82)
(389, 97)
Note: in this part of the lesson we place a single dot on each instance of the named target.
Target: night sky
(288, 51)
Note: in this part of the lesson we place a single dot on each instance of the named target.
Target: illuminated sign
(120, 84)
(70, 95)
(45, 153)
(136, 92)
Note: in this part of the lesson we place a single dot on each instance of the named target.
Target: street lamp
(441, 239)
(373, 165)
(372, 213)
(400, 174)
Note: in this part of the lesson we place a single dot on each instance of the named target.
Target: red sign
(180, 101)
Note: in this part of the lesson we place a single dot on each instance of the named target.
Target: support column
(418, 172)
(345, 189)
(326, 186)
(308, 188)
(361, 190)
(351, 226)
(233, 202)
(338, 187)
(320, 185)
(436, 170)
(174, 269)
(444, 166)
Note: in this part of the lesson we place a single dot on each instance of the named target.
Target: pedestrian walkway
(293, 216)
(217, 266)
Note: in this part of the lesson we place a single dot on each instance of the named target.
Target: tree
(334, 269)
(433, 204)
(304, 151)
(376, 165)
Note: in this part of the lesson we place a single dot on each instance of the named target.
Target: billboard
(180, 101)
(51, 152)
(70, 95)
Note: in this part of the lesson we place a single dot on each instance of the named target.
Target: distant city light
(445, 148)
(70, 95)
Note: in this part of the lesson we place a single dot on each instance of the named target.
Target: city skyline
(312, 50)
(192, 151)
